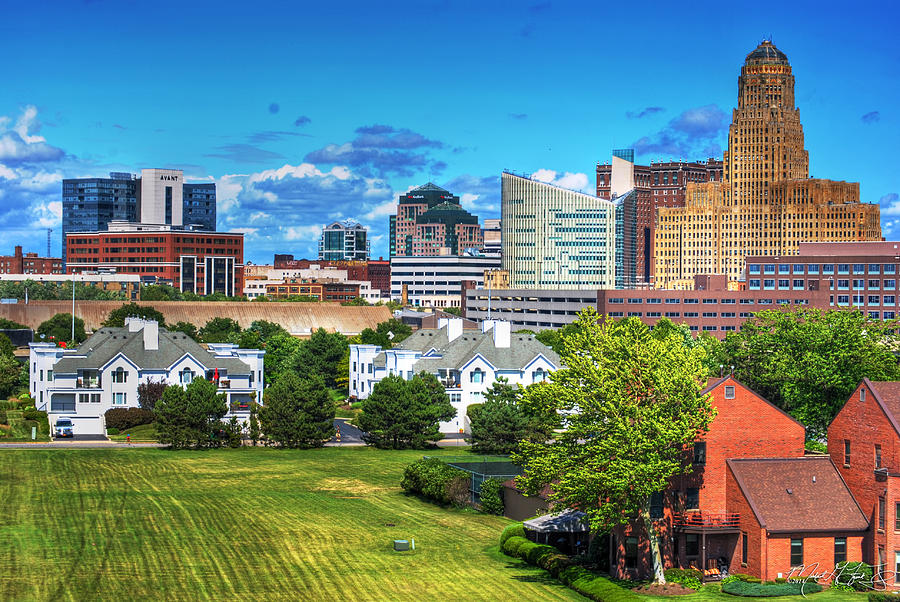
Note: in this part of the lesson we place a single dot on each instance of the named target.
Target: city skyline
(330, 113)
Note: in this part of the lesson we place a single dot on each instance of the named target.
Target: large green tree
(9, 375)
(500, 423)
(298, 412)
(266, 330)
(190, 417)
(629, 405)
(220, 330)
(59, 328)
(280, 350)
(185, 328)
(808, 361)
(160, 292)
(117, 316)
(401, 414)
(320, 354)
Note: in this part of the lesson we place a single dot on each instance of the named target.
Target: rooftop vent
(790, 492)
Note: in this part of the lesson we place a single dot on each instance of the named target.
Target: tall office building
(346, 240)
(660, 184)
(767, 203)
(554, 238)
(90, 204)
(431, 222)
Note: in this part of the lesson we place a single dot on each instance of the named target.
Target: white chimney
(454, 328)
(487, 325)
(442, 322)
(501, 334)
(151, 335)
(133, 324)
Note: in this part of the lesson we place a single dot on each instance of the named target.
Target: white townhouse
(467, 362)
(105, 370)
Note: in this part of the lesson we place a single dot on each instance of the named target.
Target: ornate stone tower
(765, 140)
(767, 204)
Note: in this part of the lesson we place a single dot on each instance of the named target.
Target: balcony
(707, 521)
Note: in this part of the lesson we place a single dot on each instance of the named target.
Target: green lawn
(264, 524)
(712, 592)
(142, 432)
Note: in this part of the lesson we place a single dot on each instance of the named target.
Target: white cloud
(572, 181)
(304, 233)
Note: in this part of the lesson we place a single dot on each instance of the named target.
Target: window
(881, 512)
(846, 452)
(119, 375)
(656, 505)
(897, 516)
(119, 399)
(455, 397)
(692, 498)
(186, 376)
(700, 452)
(862, 394)
(744, 546)
(877, 455)
(476, 376)
(796, 551)
(691, 544)
(631, 552)
(729, 392)
(538, 375)
(897, 567)
(840, 550)
(784, 268)
(49, 375)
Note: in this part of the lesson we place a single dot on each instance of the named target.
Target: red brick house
(864, 443)
(698, 528)
(793, 512)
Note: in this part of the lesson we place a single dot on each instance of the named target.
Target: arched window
(538, 375)
(186, 376)
(119, 375)
(477, 376)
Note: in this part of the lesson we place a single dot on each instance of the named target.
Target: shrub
(881, 597)
(492, 496)
(595, 586)
(126, 418)
(555, 563)
(3, 417)
(525, 549)
(8, 405)
(730, 578)
(112, 431)
(436, 481)
(858, 575)
(536, 554)
(511, 545)
(762, 590)
(746, 578)
(513, 530)
(32, 414)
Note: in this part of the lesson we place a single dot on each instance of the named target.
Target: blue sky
(305, 113)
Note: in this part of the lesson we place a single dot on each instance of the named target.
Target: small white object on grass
(414, 545)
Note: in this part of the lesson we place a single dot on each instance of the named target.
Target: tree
(266, 330)
(149, 392)
(280, 350)
(10, 325)
(500, 423)
(320, 354)
(356, 301)
(298, 412)
(59, 328)
(401, 414)
(9, 375)
(220, 330)
(808, 361)
(254, 423)
(249, 339)
(190, 417)
(160, 292)
(186, 328)
(6, 346)
(630, 405)
(554, 338)
(456, 311)
(386, 334)
(117, 316)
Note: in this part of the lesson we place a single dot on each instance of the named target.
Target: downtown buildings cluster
(703, 242)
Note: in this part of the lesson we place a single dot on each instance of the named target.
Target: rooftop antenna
(49, 232)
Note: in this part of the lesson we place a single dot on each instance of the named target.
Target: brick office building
(196, 261)
(321, 290)
(377, 272)
(864, 443)
(714, 520)
(29, 263)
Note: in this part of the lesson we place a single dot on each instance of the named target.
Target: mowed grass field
(249, 524)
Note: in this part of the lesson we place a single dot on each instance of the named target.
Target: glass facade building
(344, 241)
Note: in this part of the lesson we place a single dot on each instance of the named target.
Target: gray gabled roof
(107, 343)
(455, 354)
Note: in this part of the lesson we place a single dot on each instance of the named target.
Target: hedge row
(767, 590)
(126, 418)
(882, 597)
(561, 567)
(436, 481)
